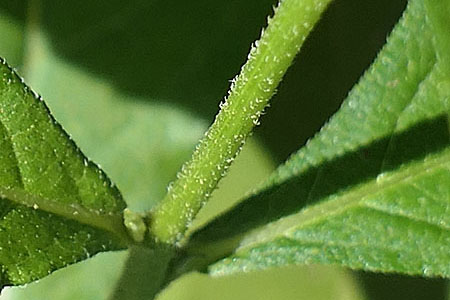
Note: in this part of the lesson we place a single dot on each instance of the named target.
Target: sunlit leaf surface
(57, 207)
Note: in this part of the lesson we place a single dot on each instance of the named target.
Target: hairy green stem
(249, 94)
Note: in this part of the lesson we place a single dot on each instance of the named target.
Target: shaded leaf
(140, 145)
(145, 274)
(178, 52)
(380, 167)
(93, 278)
(11, 36)
(395, 224)
(300, 283)
(57, 207)
(394, 286)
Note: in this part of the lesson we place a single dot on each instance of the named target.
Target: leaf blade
(359, 231)
(42, 167)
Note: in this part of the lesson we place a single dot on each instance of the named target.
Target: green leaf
(177, 52)
(379, 286)
(11, 35)
(145, 274)
(57, 207)
(300, 283)
(395, 224)
(92, 278)
(380, 169)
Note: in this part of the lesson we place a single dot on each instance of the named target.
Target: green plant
(369, 191)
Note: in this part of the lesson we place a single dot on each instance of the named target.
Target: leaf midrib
(111, 222)
(348, 199)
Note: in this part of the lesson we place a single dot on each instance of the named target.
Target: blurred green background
(137, 82)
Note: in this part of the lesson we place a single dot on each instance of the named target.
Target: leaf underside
(379, 172)
(56, 206)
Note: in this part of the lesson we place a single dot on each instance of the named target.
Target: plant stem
(249, 94)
